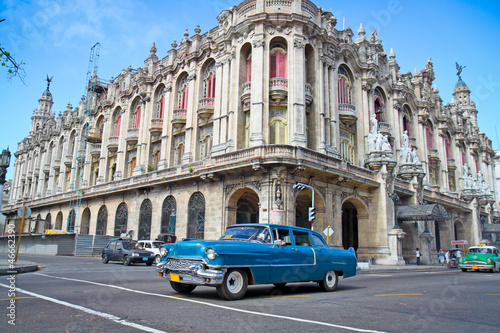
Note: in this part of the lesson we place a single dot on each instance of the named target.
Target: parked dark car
(127, 252)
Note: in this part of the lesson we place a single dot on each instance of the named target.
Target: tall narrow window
(117, 125)
(278, 61)
(407, 121)
(137, 117)
(429, 137)
(379, 106)
(343, 86)
(249, 67)
(447, 147)
(277, 126)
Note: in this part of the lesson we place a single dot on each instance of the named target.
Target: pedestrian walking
(441, 257)
(448, 258)
(418, 255)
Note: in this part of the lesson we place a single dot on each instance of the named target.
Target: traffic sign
(26, 214)
(328, 231)
(459, 242)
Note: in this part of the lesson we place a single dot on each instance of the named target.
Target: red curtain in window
(428, 133)
(343, 91)
(118, 123)
(475, 162)
(137, 119)
(249, 70)
(162, 106)
(184, 98)
(447, 147)
(210, 86)
(278, 65)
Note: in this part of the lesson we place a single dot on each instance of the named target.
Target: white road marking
(90, 311)
(216, 305)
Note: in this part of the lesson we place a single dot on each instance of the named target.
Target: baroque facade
(221, 129)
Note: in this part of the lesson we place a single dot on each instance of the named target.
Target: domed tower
(43, 114)
(461, 92)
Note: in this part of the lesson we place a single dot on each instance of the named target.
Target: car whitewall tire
(234, 285)
(330, 281)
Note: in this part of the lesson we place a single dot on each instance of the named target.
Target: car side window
(282, 234)
(301, 238)
(111, 245)
(118, 245)
(318, 241)
(147, 245)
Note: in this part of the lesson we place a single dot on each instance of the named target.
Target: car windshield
(480, 251)
(128, 245)
(260, 234)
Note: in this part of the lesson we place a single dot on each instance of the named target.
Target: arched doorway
(168, 215)
(145, 220)
(196, 216)
(102, 221)
(349, 226)
(121, 219)
(243, 206)
(59, 219)
(459, 230)
(302, 204)
(48, 222)
(84, 227)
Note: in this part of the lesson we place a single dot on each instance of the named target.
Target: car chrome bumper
(197, 274)
(469, 266)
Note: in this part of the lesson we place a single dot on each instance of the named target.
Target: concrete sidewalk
(21, 266)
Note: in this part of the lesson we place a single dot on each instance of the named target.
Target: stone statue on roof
(459, 69)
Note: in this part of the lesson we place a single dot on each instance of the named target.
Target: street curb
(18, 270)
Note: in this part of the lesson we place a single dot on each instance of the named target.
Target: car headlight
(163, 251)
(211, 253)
(135, 254)
(489, 261)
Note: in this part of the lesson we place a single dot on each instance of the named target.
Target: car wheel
(280, 285)
(182, 288)
(330, 281)
(126, 261)
(105, 259)
(157, 258)
(149, 263)
(234, 285)
(464, 269)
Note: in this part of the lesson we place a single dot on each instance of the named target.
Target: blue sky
(54, 37)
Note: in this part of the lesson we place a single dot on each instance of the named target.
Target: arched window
(121, 219)
(277, 126)
(137, 117)
(117, 120)
(160, 103)
(102, 221)
(168, 215)
(379, 106)
(182, 93)
(196, 216)
(447, 147)
(71, 221)
(48, 222)
(407, 120)
(209, 81)
(344, 86)
(278, 61)
(145, 220)
(429, 137)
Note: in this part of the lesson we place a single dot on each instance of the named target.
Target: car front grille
(472, 262)
(181, 264)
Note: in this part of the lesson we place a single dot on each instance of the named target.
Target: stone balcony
(156, 126)
(68, 161)
(132, 136)
(95, 149)
(113, 143)
(57, 164)
(451, 164)
(347, 113)
(94, 137)
(205, 107)
(433, 155)
(309, 94)
(246, 93)
(46, 169)
(179, 118)
(278, 89)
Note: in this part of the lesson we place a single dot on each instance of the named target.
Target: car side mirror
(278, 242)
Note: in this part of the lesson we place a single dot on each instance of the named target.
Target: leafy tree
(13, 67)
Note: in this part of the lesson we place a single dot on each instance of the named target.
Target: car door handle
(319, 250)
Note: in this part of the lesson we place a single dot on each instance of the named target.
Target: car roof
(271, 225)
(483, 247)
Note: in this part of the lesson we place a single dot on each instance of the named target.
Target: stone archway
(145, 214)
(459, 230)
(243, 207)
(356, 229)
(102, 221)
(59, 219)
(302, 203)
(84, 226)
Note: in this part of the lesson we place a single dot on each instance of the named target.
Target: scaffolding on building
(92, 84)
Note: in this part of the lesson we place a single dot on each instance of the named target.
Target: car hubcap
(234, 282)
(330, 279)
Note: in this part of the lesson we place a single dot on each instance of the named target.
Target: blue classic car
(255, 254)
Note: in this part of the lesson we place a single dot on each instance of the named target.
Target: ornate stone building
(218, 131)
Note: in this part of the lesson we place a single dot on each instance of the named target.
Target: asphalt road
(83, 295)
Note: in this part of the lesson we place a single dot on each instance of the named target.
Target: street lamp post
(4, 164)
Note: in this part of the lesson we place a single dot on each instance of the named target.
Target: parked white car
(151, 245)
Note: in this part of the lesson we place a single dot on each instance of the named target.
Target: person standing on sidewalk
(441, 257)
(418, 255)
